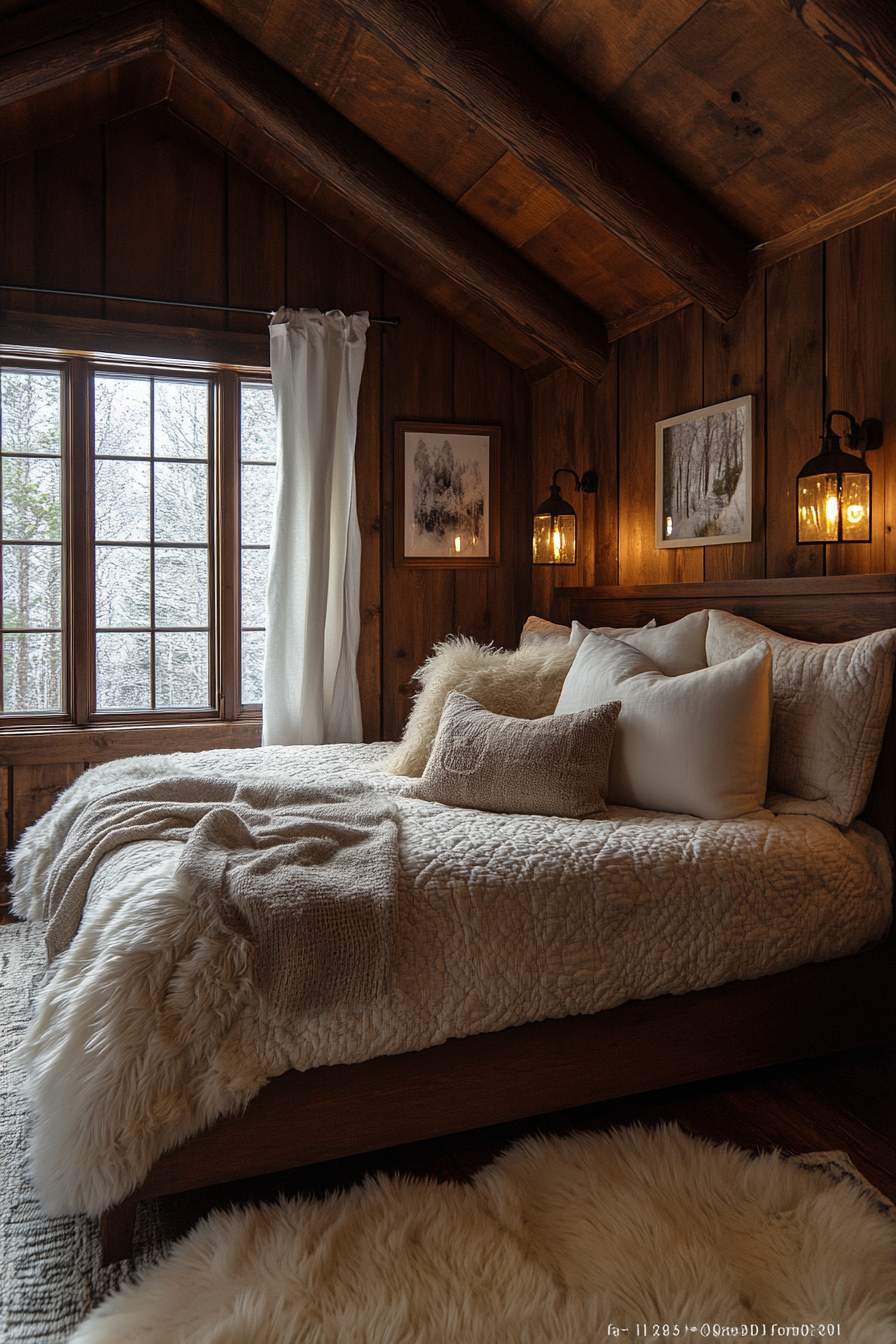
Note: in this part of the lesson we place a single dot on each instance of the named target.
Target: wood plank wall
(815, 333)
(147, 205)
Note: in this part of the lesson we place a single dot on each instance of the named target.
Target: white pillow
(523, 684)
(676, 648)
(831, 703)
(695, 743)
(579, 631)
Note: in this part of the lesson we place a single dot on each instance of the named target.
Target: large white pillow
(524, 684)
(676, 648)
(696, 743)
(831, 703)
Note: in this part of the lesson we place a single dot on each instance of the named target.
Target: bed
(659, 1037)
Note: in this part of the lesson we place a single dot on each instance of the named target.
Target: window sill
(19, 746)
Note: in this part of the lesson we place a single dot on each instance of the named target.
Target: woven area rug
(50, 1268)
(560, 1241)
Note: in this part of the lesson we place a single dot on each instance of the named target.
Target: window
(136, 513)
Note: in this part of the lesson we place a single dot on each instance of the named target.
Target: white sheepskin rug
(561, 1241)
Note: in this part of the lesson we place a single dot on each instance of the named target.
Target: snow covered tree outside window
(258, 473)
(31, 559)
(151, 525)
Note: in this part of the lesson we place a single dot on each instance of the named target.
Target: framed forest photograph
(704, 473)
(447, 495)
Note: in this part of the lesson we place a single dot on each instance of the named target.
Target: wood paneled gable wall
(250, 96)
(814, 333)
(148, 205)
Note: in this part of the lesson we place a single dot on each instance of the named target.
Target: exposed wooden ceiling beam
(329, 146)
(326, 144)
(874, 203)
(46, 47)
(863, 33)
(503, 84)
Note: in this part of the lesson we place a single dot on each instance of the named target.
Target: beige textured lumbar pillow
(696, 743)
(831, 703)
(524, 684)
(549, 767)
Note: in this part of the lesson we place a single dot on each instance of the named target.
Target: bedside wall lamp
(833, 490)
(554, 524)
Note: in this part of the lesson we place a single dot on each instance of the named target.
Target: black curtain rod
(171, 303)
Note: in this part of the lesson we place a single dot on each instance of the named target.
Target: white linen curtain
(313, 617)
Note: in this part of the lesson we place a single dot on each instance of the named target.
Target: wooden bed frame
(336, 1111)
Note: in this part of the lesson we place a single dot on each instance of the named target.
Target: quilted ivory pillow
(696, 743)
(549, 767)
(524, 684)
(831, 703)
(676, 648)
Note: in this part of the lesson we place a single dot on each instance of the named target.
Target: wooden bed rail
(643, 1045)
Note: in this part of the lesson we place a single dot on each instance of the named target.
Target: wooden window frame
(79, 654)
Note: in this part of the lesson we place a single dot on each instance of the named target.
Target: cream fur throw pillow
(524, 684)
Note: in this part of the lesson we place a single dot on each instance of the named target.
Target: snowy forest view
(151, 438)
(704, 483)
(258, 478)
(30, 437)
(152, 535)
(445, 482)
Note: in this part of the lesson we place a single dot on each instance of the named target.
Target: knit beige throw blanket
(306, 874)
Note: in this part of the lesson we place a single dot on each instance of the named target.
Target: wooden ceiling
(552, 173)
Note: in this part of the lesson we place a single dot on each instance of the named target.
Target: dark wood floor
(845, 1102)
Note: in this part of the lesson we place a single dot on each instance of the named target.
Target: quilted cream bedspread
(150, 1024)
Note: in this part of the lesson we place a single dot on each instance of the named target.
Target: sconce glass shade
(554, 532)
(833, 499)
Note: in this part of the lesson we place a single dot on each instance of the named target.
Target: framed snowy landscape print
(446, 495)
(704, 475)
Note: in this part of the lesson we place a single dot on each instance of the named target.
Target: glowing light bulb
(557, 547)
(832, 508)
(457, 543)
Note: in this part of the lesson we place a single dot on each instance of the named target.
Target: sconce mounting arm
(587, 482)
(860, 437)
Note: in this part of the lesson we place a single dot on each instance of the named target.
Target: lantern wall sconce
(554, 524)
(833, 490)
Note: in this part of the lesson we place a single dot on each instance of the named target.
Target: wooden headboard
(824, 610)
